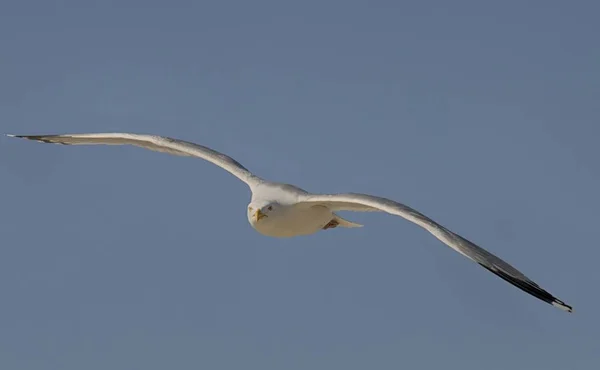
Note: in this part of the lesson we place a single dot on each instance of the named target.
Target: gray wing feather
(152, 142)
(363, 202)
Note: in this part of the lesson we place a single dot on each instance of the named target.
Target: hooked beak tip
(258, 215)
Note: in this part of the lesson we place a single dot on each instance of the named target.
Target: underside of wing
(151, 142)
(364, 202)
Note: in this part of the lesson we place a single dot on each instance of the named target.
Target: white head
(259, 211)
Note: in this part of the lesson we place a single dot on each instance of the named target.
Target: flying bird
(283, 210)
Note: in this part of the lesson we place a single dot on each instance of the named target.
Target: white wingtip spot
(562, 307)
(10, 135)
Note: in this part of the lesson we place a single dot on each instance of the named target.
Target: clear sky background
(482, 115)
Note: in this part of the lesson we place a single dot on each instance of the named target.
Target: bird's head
(258, 211)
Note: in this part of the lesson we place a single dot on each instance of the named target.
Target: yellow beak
(258, 215)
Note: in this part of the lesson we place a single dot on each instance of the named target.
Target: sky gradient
(482, 115)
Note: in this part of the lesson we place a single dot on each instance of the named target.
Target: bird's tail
(345, 223)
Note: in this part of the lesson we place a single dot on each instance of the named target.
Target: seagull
(283, 210)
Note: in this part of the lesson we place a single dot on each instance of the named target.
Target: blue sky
(482, 115)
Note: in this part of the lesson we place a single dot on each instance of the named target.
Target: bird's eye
(270, 208)
(250, 209)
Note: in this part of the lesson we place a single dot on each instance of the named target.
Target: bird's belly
(295, 222)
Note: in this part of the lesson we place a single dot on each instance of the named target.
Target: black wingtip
(41, 138)
(28, 137)
(531, 288)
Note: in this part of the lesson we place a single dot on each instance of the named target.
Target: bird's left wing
(366, 203)
(152, 142)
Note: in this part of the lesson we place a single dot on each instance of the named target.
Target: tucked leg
(332, 224)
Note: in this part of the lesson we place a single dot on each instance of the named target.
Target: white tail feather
(346, 223)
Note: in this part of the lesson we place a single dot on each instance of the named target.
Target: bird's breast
(294, 221)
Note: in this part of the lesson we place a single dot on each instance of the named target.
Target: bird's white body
(281, 210)
(285, 216)
(290, 221)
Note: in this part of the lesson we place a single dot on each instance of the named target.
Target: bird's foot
(332, 224)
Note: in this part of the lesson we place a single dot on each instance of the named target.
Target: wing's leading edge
(364, 202)
(155, 143)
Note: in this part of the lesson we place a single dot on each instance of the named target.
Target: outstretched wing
(363, 202)
(155, 143)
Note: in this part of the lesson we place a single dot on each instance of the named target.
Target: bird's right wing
(492, 263)
(155, 143)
